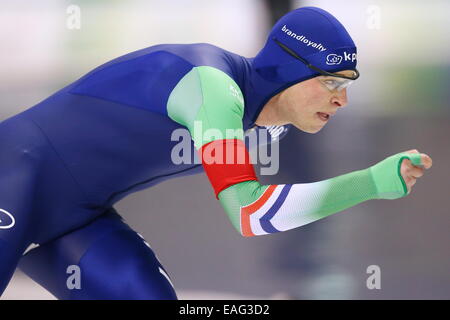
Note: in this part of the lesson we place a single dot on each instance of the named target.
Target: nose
(340, 99)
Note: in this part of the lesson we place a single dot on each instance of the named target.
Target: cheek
(317, 99)
(309, 98)
(317, 94)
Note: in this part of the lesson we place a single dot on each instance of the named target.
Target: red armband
(226, 162)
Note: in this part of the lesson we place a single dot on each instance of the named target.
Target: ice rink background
(400, 102)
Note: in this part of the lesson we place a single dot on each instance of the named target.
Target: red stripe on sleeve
(226, 162)
(251, 208)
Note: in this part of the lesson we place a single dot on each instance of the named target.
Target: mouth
(323, 116)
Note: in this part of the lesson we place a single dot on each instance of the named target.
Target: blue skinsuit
(67, 160)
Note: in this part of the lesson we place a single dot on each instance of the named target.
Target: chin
(311, 130)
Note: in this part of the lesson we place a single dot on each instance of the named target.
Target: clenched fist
(411, 172)
(395, 175)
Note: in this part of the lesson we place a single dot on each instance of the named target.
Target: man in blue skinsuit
(66, 161)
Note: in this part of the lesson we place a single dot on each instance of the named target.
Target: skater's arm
(209, 103)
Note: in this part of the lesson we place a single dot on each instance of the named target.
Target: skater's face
(308, 105)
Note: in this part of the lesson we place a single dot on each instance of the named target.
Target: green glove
(387, 177)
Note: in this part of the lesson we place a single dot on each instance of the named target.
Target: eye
(331, 82)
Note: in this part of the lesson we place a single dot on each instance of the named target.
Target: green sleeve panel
(240, 195)
(209, 103)
(285, 207)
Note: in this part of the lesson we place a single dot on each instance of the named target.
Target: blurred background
(400, 102)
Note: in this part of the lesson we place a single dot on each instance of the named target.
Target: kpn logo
(334, 59)
(6, 219)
